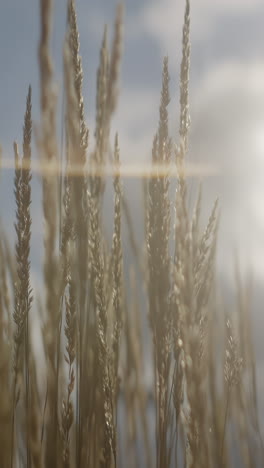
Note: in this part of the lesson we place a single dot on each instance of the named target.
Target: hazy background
(226, 105)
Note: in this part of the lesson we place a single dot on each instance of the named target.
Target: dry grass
(90, 404)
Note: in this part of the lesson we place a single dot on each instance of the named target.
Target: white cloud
(227, 130)
(163, 19)
(136, 120)
(228, 126)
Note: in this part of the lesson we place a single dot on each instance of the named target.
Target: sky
(226, 99)
(226, 105)
(226, 94)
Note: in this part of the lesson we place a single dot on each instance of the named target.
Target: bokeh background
(226, 106)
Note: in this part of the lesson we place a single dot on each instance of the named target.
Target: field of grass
(141, 364)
